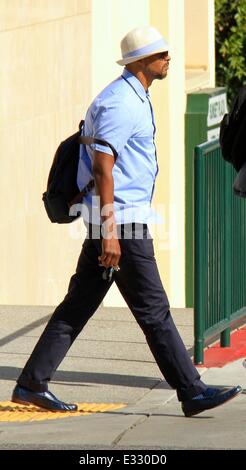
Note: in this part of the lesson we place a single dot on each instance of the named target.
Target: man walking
(122, 115)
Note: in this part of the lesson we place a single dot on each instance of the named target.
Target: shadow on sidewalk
(73, 377)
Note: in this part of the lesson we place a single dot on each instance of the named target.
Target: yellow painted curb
(13, 412)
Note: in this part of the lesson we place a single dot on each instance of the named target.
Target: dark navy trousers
(139, 283)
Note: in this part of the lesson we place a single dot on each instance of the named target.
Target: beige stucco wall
(45, 88)
(199, 44)
(57, 55)
(170, 250)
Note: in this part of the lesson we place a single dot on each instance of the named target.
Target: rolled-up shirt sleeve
(112, 123)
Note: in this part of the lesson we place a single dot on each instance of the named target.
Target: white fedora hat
(141, 42)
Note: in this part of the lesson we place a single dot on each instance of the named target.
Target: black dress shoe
(210, 398)
(43, 399)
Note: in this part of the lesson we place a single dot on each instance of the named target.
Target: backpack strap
(81, 124)
(92, 140)
(85, 140)
(78, 198)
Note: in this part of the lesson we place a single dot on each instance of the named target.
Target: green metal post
(199, 271)
(225, 338)
(225, 335)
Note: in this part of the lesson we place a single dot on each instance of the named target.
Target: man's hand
(104, 182)
(110, 252)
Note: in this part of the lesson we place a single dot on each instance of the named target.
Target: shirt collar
(135, 84)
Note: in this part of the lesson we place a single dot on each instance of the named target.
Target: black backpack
(62, 190)
(233, 132)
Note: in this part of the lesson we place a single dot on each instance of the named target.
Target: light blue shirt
(122, 115)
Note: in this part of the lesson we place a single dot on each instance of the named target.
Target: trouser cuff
(185, 394)
(32, 385)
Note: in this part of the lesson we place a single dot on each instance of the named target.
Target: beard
(161, 76)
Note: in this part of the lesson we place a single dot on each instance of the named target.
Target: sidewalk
(111, 363)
